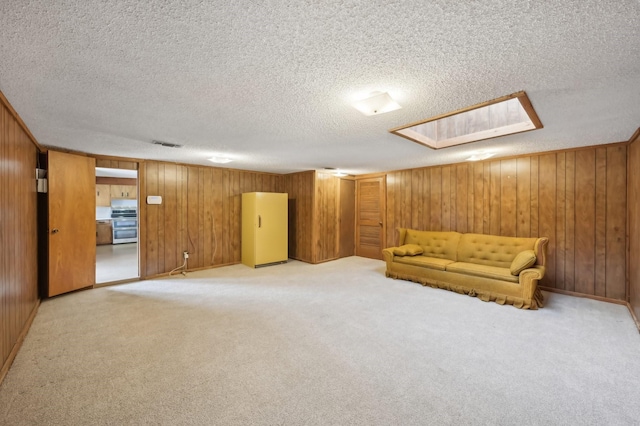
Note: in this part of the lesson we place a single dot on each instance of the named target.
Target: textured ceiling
(270, 83)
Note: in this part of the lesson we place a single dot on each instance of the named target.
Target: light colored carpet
(330, 344)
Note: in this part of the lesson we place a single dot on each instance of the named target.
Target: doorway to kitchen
(116, 225)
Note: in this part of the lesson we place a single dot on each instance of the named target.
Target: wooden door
(347, 218)
(72, 222)
(370, 218)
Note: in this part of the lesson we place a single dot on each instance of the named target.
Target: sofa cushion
(442, 245)
(424, 261)
(492, 250)
(486, 271)
(522, 261)
(408, 250)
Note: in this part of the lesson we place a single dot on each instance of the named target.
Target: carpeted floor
(329, 344)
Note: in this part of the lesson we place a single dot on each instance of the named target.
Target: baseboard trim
(586, 296)
(634, 316)
(326, 260)
(18, 344)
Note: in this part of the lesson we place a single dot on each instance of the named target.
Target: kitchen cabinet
(127, 192)
(103, 195)
(264, 228)
(104, 233)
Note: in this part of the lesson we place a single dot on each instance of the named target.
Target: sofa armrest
(529, 279)
(387, 255)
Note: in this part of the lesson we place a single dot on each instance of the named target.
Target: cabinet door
(271, 232)
(129, 191)
(124, 192)
(103, 195)
(103, 232)
(117, 192)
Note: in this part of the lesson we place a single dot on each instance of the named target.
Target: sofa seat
(427, 262)
(486, 271)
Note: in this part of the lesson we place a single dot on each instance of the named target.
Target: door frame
(114, 163)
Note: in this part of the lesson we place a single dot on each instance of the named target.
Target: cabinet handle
(55, 230)
(259, 221)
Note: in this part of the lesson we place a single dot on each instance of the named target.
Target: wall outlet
(185, 254)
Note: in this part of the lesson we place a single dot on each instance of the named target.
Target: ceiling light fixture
(376, 103)
(480, 156)
(220, 160)
(336, 172)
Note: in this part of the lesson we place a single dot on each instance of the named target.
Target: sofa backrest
(442, 245)
(499, 251)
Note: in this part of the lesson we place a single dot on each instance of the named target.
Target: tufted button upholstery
(441, 245)
(492, 250)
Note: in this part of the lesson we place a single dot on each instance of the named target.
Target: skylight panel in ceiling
(503, 116)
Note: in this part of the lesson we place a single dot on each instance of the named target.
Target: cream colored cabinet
(264, 228)
(128, 192)
(103, 195)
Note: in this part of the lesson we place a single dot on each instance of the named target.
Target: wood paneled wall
(18, 233)
(576, 198)
(634, 226)
(301, 190)
(116, 164)
(315, 227)
(200, 213)
(326, 222)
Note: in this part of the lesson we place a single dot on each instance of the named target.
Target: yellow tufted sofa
(505, 270)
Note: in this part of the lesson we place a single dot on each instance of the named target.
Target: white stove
(124, 222)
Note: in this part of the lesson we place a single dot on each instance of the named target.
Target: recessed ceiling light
(220, 160)
(377, 103)
(336, 172)
(500, 117)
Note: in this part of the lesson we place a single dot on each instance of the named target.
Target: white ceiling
(270, 83)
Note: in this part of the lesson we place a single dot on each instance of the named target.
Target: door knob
(380, 223)
(55, 230)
